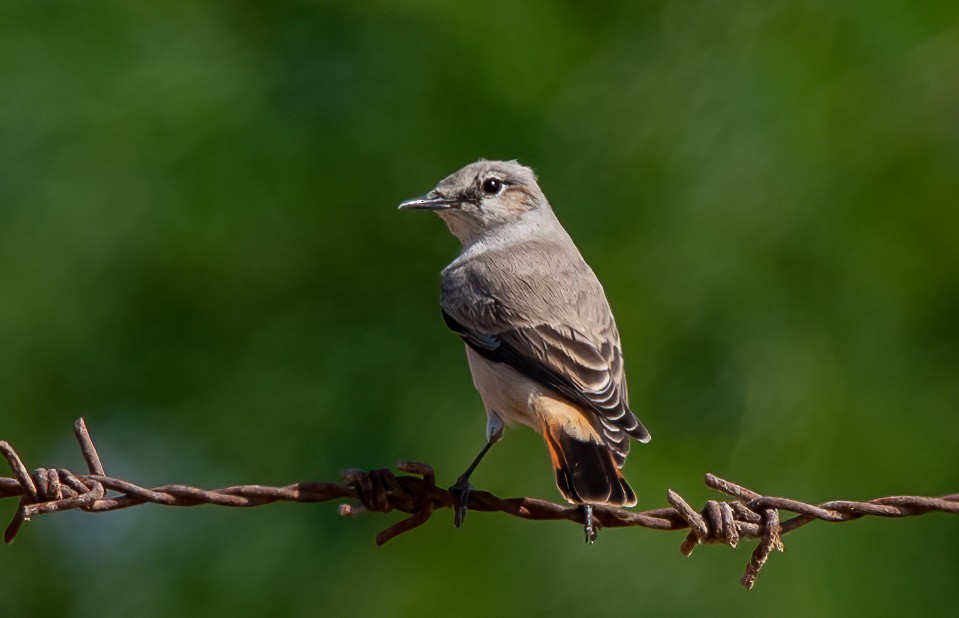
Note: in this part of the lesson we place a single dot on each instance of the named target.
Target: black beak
(429, 203)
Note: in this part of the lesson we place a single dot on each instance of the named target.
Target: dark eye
(492, 186)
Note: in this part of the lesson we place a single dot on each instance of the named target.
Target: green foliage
(199, 252)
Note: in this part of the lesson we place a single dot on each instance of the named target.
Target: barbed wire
(749, 515)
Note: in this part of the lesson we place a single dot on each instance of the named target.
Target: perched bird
(541, 340)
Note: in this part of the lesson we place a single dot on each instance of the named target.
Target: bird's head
(484, 197)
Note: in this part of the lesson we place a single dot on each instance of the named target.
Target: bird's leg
(461, 489)
(588, 526)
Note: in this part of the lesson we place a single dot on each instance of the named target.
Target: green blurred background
(200, 253)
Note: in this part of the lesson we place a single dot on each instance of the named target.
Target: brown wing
(540, 309)
(563, 360)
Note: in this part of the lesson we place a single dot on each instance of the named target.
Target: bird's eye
(492, 186)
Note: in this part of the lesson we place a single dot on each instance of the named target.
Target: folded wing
(585, 372)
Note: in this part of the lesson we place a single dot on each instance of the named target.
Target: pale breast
(505, 392)
(514, 398)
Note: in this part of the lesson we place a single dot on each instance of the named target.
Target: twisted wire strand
(749, 515)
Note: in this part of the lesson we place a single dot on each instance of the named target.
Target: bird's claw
(588, 524)
(461, 497)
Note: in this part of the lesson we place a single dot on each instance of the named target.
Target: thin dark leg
(461, 489)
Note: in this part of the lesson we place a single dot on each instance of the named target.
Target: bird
(541, 341)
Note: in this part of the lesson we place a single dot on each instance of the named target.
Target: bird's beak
(429, 202)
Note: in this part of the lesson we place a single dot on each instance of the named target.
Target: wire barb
(749, 515)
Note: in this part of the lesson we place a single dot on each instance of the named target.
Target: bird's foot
(461, 497)
(589, 526)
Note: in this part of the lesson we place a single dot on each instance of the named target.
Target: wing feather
(538, 353)
(541, 310)
(538, 307)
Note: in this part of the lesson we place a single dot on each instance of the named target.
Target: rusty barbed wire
(749, 516)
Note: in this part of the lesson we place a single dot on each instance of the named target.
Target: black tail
(586, 472)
